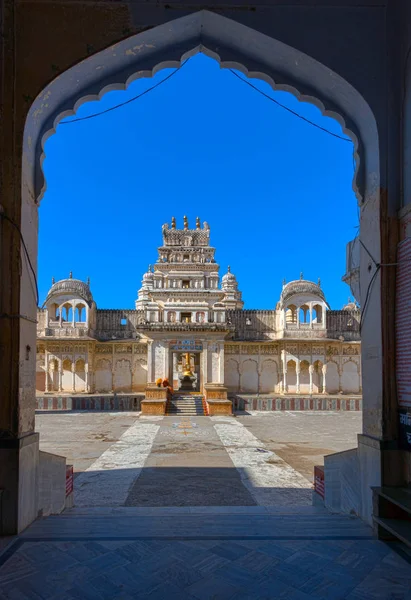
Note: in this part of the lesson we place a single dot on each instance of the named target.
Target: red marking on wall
(403, 323)
(69, 480)
(319, 481)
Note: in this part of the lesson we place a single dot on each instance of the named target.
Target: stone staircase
(188, 405)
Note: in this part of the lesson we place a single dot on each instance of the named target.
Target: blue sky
(276, 191)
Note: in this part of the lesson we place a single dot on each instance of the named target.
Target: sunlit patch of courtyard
(125, 459)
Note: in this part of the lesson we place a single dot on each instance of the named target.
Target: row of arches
(67, 375)
(304, 314)
(300, 377)
(69, 312)
(174, 317)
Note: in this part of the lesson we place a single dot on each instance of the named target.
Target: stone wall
(259, 368)
(126, 402)
(253, 324)
(269, 403)
(120, 324)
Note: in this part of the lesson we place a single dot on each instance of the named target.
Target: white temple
(186, 322)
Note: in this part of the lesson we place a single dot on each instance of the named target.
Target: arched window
(80, 313)
(54, 312)
(304, 314)
(67, 313)
(80, 365)
(291, 314)
(317, 313)
(67, 364)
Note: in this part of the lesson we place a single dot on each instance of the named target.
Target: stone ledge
(243, 402)
(97, 402)
(153, 406)
(219, 407)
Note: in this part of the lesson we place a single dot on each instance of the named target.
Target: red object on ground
(319, 481)
(69, 480)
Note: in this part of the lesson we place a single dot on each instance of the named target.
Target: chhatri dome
(70, 287)
(301, 287)
(229, 277)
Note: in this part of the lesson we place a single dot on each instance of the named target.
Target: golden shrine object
(188, 372)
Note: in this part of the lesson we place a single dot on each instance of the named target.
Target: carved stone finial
(88, 280)
(149, 268)
(229, 269)
(53, 281)
(301, 275)
(284, 282)
(173, 222)
(71, 275)
(198, 225)
(319, 282)
(185, 222)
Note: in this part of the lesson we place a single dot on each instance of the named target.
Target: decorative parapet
(153, 392)
(155, 401)
(216, 399)
(224, 327)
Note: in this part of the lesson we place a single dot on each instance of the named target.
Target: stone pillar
(311, 314)
(324, 370)
(221, 364)
(205, 365)
(87, 379)
(112, 379)
(150, 374)
(60, 376)
(73, 372)
(73, 320)
(132, 374)
(298, 316)
(311, 371)
(284, 362)
(166, 363)
(297, 372)
(46, 368)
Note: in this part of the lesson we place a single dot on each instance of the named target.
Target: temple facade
(191, 328)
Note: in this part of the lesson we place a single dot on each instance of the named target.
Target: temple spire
(198, 225)
(71, 275)
(185, 222)
(173, 222)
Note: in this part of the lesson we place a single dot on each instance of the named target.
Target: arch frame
(256, 55)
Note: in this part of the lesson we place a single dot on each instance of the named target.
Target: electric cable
(107, 110)
(293, 112)
(17, 228)
(367, 296)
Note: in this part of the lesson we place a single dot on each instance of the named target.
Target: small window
(186, 284)
(123, 322)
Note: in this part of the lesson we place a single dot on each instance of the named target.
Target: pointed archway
(256, 55)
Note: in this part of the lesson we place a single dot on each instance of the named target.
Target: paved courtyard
(265, 459)
(199, 509)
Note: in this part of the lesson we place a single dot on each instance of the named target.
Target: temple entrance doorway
(186, 372)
